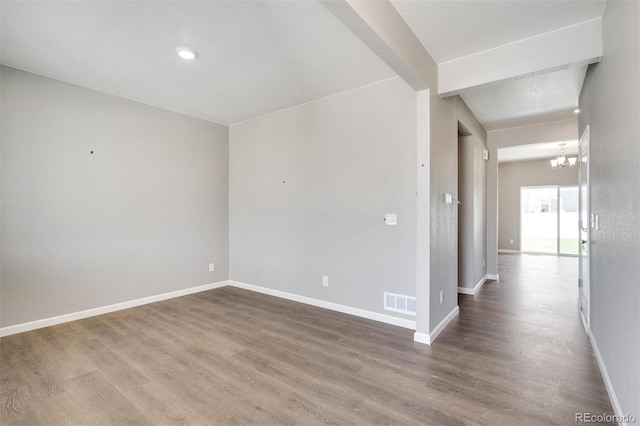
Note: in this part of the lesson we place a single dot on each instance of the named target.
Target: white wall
(144, 215)
(610, 106)
(309, 188)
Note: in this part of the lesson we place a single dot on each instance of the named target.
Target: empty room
(293, 212)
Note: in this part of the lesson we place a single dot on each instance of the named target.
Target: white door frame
(585, 223)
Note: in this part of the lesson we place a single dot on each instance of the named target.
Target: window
(549, 219)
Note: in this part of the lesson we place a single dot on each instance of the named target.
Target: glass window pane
(569, 220)
(539, 219)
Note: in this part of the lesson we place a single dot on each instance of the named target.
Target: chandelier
(562, 160)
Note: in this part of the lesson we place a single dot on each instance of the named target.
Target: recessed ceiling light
(576, 111)
(186, 53)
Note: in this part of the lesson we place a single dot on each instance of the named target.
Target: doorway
(471, 207)
(549, 220)
(586, 222)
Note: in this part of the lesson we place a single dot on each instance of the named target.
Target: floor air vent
(399, 303)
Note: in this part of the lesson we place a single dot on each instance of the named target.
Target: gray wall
(472, 173)
(144, 215)
(511, 177)
(309, 188)
(610, 105)
(445, 115)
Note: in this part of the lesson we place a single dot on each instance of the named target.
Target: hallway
(524, 344)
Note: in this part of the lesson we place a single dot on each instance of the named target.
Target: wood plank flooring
(517, 354)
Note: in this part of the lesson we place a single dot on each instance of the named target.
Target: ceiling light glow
(186, 53)
(576, 111)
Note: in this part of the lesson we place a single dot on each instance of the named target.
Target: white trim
(421, 338)
(466, 290)
(387, 319)
(473, 291)
(495, 277)
(508, 251)
(617, 409)
(428, 339)
(583, 319)
(584, 259)
(33, 325)
(444, 323)
(423, 211)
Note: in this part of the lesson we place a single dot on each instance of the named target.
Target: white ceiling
(450, 30)
(257, 57)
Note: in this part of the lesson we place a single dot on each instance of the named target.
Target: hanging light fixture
(562, 160)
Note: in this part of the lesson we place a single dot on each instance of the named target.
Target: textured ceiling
(255, 57)
(546, 96)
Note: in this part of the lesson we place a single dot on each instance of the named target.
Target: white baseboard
(617, 409)
(33, 325)
(46, 322)
(508, 251)
(473, 291)
(444, 323)
(421, 338)
(388, 319)
(495, 277)
(428, 339)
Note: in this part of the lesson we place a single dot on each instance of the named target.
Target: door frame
(584, 265)
(557, 187)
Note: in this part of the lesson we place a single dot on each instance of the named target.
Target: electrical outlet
(325, 281)
(484, 262)
(510, 240)
(212, 267)
(441, 296)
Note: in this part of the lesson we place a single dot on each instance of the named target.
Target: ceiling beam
(578, 44)
(379, 25)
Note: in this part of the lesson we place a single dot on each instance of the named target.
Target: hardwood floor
(517, 354)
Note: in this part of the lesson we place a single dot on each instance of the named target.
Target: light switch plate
(390, 219)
